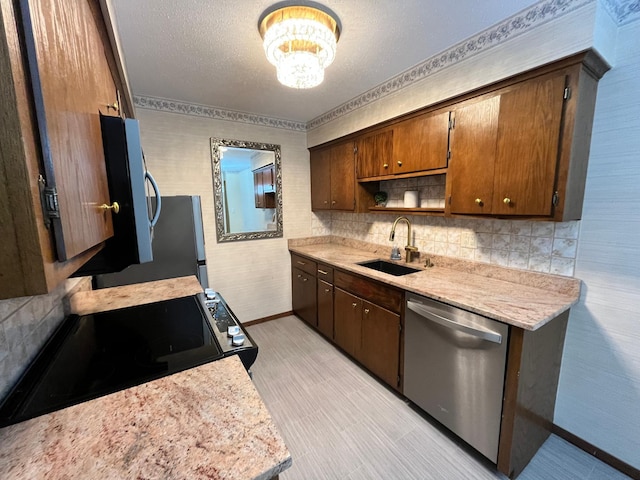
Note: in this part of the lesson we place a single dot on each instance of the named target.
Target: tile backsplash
(548, 247)
(26, 323)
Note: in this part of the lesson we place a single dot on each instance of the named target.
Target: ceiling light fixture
(301, 42)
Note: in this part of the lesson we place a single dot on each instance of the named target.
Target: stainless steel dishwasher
(454, 367)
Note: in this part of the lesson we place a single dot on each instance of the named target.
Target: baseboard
(266, 319)
(596, 452)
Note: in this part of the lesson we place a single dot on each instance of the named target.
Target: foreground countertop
(524, 299)
(208, 422)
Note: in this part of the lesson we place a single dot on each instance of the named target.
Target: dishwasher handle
(425, 312)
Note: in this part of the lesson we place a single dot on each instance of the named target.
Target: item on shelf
(411, 199)
(380, 198)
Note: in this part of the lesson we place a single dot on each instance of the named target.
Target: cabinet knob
(385, 165)
(327, 290)
(305, 279)
(113, 105)
(366, 310)
(479, 201)
(325, 202)
(507, 200)
(354, 305)
(115, 206)
(333, 202)
(399, 163)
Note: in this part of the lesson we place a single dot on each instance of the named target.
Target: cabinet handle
(299, 276)
(399, 163)
(354, 305)
(366, 311)
(386, 165)
(327, 290)
(304, 279)
(479, 201)
(323, 272)
(325, 202)
(114, 105)
(333, 202)
(507, 200)
(114, 206)
(300, 263)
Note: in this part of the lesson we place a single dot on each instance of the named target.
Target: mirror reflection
(247, 186)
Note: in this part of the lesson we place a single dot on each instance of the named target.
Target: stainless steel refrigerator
(178, 247)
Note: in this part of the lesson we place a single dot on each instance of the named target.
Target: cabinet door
(72, 81)
(527, 149)
(343, 177)
(303, 296)
(380, 351)
(258, 188)
(473, 151)
(374, 155)
(347, 315)
(320, 162)
(325, 308)
(421, 143)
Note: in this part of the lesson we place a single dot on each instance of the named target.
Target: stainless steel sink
(389, 267)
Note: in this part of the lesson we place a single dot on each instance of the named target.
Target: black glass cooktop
(93, 355)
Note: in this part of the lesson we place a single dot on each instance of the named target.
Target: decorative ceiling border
(216, 113)
(519, 23)
(622, 12)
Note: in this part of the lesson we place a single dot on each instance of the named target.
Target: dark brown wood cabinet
(374, 154)
(264, 186)
(303, 296)
(325, 299)
(333, 178)
(505, 149)
(421, 143)
(368, 324)
(57, 74)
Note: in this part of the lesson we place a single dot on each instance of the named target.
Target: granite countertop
(105, 299)
(520, 298)
(208, 422)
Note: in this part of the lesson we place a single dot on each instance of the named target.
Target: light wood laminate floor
(341, 423)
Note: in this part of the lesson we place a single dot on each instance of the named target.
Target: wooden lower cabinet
(325, 308)
(347, 322)
(380, 347)
(303, 295)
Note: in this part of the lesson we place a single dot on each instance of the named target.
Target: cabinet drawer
(325, 272)
(304, 264)
(378, 293)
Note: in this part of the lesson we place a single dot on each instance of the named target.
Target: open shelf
(438, 212)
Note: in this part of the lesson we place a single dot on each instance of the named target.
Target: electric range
(93, 355)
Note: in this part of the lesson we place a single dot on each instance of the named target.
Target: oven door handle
(426, 313)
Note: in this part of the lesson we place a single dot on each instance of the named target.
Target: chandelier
(301, 42)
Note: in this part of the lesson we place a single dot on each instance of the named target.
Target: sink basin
(388, 267)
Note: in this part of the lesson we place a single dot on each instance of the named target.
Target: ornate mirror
(247, 189)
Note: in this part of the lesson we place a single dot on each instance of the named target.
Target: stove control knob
(233, 330)
(238, 340)
(209, 293)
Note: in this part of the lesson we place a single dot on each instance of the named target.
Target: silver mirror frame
(216, 143)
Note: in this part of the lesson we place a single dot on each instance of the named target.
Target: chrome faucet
(410, 249)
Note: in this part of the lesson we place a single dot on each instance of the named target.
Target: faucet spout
(408, 248)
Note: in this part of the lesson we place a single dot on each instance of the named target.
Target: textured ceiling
(209, 52)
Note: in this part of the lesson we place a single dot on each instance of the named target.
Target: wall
(599, 395)
(25, 324)
(253, 276)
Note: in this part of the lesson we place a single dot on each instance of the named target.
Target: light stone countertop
(208, 422)
(520, 298)
(106, 299)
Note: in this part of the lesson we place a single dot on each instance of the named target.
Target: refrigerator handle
(424, 312)
(156, 215)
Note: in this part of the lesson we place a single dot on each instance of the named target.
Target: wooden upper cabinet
(374, 155)
(333, 178)
(474, 137)
(421, 143)
(527, 148)
(76, 83)
(58, 73)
